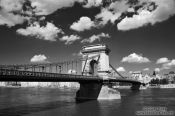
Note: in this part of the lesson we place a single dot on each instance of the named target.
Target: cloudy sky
(140, 33)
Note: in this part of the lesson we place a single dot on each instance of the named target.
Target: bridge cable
(116, 71)
(85, 65)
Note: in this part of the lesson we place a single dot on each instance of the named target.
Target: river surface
(61, 102)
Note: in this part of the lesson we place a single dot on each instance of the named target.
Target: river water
(61, 102)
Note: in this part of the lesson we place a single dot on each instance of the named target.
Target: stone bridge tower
(96, 63)
(96, 60)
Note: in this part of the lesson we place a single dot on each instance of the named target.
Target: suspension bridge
(92, 71)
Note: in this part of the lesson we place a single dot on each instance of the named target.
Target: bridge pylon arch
(98, 55)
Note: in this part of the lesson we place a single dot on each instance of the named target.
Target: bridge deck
(29, 76)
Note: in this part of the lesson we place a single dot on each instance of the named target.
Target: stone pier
(96, 91)
(135, 87)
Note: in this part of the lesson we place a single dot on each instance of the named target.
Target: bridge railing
(8, 72)
(73, 67)
(28, 76)
(26, 73)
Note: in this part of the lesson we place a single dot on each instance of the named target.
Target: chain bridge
(92, 71)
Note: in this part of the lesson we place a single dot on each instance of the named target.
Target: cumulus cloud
(121, 69)
(38, 58)
(70, 39)
(143, 12)
(166, 63)
(84, 23)
(169, 64)
(14, 12)
(10, 12)
(135, 58)
(144, 16)
(146, 69)
(11, 20)
(136, 21)
(112, 12)
(48, 32)
(106, 15)
(157, 69)
(130, 72)
(119, 6)
(93, 3)
(45, 7)
(134, 14)
(162, 60)
(95, 37)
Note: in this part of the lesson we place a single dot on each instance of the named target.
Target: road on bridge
(29, 76)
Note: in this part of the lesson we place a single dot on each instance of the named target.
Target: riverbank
(42, 85)
(72, 85)
(163, 86)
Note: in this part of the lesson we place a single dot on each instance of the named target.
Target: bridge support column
(135, 86)
(96, 91)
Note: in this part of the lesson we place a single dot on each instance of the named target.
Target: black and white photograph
(87, 57)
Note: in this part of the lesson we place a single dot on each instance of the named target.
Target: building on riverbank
(168, 78)
(138, 75)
